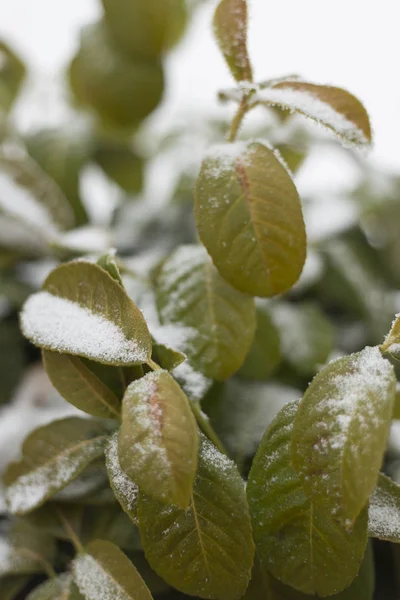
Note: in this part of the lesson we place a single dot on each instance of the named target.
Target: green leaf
(122, 165)
(333, 107)
(11, 587)
(219, 321)
(108, 263)
(123, 92)
(249, 217)
(62, 152)
(145, 28)
(230, 28)
(307, 337)
(89, 488)
(105, 572)
(206, 550)
(50, 519)
(125, 490)
(264, 355)
(12, 74)
(340, 431)
(60, 588)
(167, 357)
(77, 384)
(384, 511)
(11, 359)
(158, 439)
(80, 297)
(392, 340)
(52, 456)
(296, 541)
(111, 524)
(25, 550)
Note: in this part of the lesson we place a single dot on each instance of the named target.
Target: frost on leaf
(384, 511)
(25, 550)
(391, 343)
(340, 431)
(332, 107)
(125, 490)
(80, 297)
(52, 457)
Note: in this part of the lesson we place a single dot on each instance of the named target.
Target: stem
(237, 119)
(70, 532)
(153, 365)
(206, 427)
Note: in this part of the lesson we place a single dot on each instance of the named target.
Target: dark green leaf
(50, 519)
(217, 322)
(80, 297)
(52, 457)
(249, 217)
(12, 586)
(340, 431)
(167, 357)
(296, 541)
(158, 439)
(230, 28)
(12, 74)
(11, 359)
(122, 165)
(105, 572)
(111, 524)
(206, 550)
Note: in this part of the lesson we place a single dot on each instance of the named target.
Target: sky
(353, 44)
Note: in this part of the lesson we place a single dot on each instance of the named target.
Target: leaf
(111, 524)
(80, 297)
(158, 439)
(104, 572)
(206, 550)
(249, 217)
(296, 541)
(121, 165)
(307, 337)
(333, 107)
(11, 359)
(50, 519)
(265, 354)
(25, 551)
(11, 587)
(145, 28)
(391, 343)
(77, 384)
(60, 588)
(340, 431)
(12, 74)
(167, 357)
(122, 91)
(52, 456)
(62, 152)
(230, 28)
(125, 490)
(219, 321)
(88, 488)
(384, 511)
(108, 263)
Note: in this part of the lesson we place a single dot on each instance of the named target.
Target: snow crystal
(213, 457)
(384, 515)
(64, 326)
(313, 107)
(223, 157)
(94, 582)
(194, 384)
(124, 487)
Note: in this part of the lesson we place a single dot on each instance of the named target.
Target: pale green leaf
(206, 550)
(25, 550)
(332, 107)
(230, 28)
(158, 439)
(12, 74)
(108, 262)
(306, 335)
(80, 386)
(341, 429)
(103, 572)
(60, 588)
(52, 456)
(80, 297)
(392, 341)
(249, 217)
(296, 541)
(264, 355)
(219, 321)
(125, 490)
(384, 511)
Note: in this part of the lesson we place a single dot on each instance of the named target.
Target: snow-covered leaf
(249, 217)
(391, 343)
(384, 511)
(25, 550)
(296, 541)
(206, 550)
(125, 490)
(103, 572)
(219, 320)
(52, 456)
(59, 588)
(78, 384)
(306, 335)
(158, 439)
(341, 429)
(230, 28)
(332, 107)
(80, 297)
